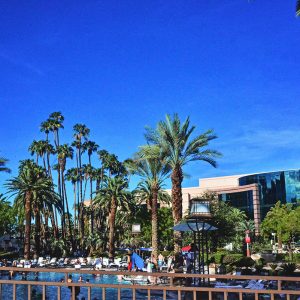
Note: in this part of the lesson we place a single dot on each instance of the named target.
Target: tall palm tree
(103, 156)
(98, 177)
(91, 147)
(39, 148)
(56, 122)
(34, 148)
(40, 206)
(298, 8)
(174, 139)
(3, 167)
(151, 167)
(73, 176)
(81, 132)
(30, 185)
(46, 127)
(49, 151)
(113, 195)
(63, 152)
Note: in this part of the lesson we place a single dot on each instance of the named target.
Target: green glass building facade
(281, 186)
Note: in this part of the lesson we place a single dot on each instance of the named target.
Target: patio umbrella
(186, 248)
(193, 226)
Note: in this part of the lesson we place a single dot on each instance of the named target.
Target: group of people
(172, 263)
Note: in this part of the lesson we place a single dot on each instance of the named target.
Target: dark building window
(292, 180)
(240, 200)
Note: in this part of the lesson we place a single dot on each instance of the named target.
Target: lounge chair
(53, 261)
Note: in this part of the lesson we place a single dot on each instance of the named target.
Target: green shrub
(231, 258)
(218, 256)
(247, 262)
(296, 257)
(288, 268)
(280, 257)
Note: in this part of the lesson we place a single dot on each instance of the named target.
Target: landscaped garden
(74, 199)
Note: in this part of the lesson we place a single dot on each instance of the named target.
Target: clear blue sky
(231, 65)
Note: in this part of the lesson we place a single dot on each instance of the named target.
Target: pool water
(96, 293)
(51, 291)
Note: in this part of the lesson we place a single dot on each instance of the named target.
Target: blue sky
(231, 65)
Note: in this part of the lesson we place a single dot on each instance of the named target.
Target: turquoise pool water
(22, 292)
(96, 293)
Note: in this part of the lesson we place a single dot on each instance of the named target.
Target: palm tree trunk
(48, 163)
(44, 162)
(74, 191)
(154, 222)
(98, 184)
(37, 232)
(27, 224)
(55, 223)
(80, 175)
(92, 209)
(81, 197)
(112, 217)
(67, 205)
(62, 200)
(176, 178)
(85, 185)
(91, 198)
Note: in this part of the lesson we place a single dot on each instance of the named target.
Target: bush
(247, 262)
(288, 268)
(231, 258)
(280, 257)
(296, 257)
(218, 256)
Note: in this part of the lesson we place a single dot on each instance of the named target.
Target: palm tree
(174, 139)
(113, 195)
(151, 167)
(80, 132)
(30, 185)
(63, 152)
(39, 148)
(3, 162)
(73, 176)
(55, 123)
(34, 148)
(103, 156)
(298, 8)
(91, 147)
(49, 150)
(46, 127)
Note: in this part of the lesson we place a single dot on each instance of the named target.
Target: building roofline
(248, 174)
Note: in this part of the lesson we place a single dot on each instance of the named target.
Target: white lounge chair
(53, 261)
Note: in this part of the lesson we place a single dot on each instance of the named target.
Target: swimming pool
(96, 293)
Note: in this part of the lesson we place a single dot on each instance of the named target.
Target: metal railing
(163, 284)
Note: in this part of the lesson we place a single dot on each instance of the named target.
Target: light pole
(135, 230)
(199, 214)
(248, 241)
